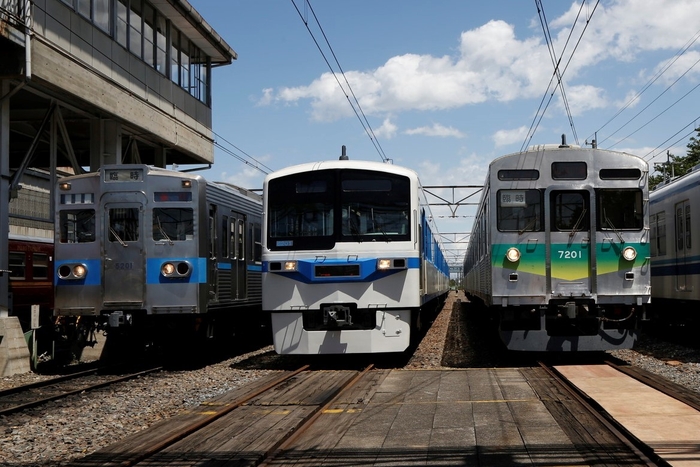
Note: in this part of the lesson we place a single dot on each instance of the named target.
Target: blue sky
(447, 86)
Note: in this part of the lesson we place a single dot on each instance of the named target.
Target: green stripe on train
(569, 262)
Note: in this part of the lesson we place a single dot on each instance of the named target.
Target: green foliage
(678, 165)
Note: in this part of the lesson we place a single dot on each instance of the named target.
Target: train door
(238, 256)
(570, 243)
(683, 244)
(123, 252)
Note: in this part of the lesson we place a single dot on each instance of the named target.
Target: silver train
(559, 250)
(351, 262)
(153, 251)
(675, 255)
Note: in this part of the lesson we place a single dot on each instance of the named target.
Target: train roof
(572, 152)
(677, 184)
(343, 164)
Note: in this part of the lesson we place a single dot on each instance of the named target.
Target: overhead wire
(252, 162)
(693, 123)
(651, 81)
(538, 116)
(365, 123)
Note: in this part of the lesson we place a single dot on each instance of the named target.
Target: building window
(148, 35)
(175, 55)
(161, 45)
(101, 14)
(83, 7)
(122, 28)
(135, 29)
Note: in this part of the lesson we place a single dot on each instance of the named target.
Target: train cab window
(77, 226)
(18, 266)
(173, 224)
(519, 210)
(300, 206)
(569, 170)
(374, 205)
(620, 210)
(40, 266)
(569, 211)
(123, 225)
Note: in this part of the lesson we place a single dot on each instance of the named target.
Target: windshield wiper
(607, 221)
(578, 222)
(528, 226)
(119, 239)
(162, 232)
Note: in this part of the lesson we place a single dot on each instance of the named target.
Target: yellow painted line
(337, 411)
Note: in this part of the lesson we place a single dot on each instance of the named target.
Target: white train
(350, 260)
(675, 255)
(559, 251)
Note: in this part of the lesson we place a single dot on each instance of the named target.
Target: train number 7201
(570, 254)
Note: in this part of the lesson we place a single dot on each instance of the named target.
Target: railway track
(20, 398)
(643, 452)
(601, 407)
(253, 427)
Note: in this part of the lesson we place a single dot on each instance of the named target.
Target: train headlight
(167, 269)
(513, 255)
(79, 271)
(629, 253)
(383, 264)
(290, 266)
(72, 271)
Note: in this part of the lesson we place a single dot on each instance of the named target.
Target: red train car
(30, 261)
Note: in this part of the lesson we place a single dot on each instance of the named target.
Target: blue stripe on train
(368, 270)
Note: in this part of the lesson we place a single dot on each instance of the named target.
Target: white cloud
(493, 64)
(267, 97)
(583, 98)
(436, 130)
(506, 137)
(387, 130)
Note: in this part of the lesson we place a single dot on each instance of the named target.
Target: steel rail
(642, 451)
(181, 434)
(36, 402)
(286, 442)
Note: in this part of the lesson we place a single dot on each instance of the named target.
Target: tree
(675, 166)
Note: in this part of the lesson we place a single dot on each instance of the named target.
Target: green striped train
(559, 250)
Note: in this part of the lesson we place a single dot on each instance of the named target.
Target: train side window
(687, 227)
(620, 210)
(123, 225)
(224, 237)
(661, 233)
(240, 253)
(40, 266)
(519, 210)
(257, 245)
(77, 226)
(232, 239)
(679, 229)
(18, 266)
(174, 224)
(653, 246)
